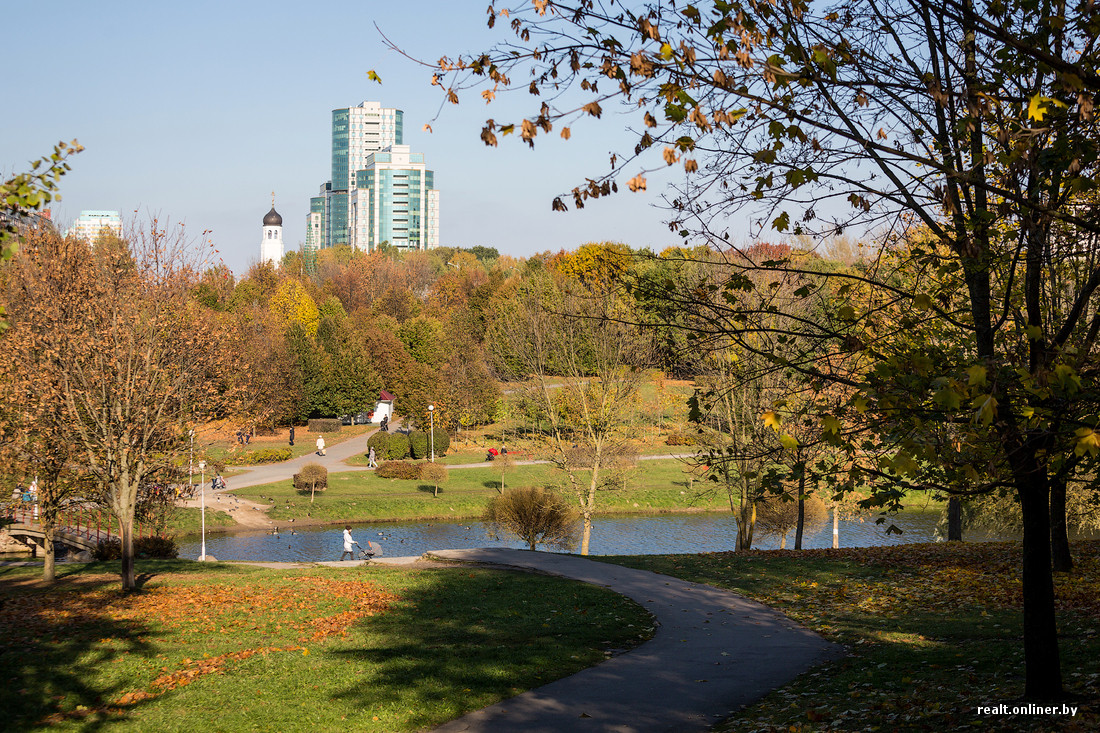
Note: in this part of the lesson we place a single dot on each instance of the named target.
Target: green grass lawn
(222, 647)
(932, 632)
(655, 486)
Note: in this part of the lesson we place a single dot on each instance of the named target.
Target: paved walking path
(713, 653)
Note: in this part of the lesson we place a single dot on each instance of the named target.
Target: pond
(623, 535)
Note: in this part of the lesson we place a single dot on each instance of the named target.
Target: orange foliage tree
(133, 359)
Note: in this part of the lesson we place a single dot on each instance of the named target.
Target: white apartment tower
(93, 224)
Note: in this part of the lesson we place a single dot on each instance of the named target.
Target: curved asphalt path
(334, 459)
(713, 652)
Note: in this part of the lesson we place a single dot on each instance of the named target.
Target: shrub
(270, 455)
(678, 438)
(156, 547)
(420, 446)
(435, 474)
(777, 516)
(534, 515)
(312, 478)
(398, 469)
(389, 446)
(325, 425)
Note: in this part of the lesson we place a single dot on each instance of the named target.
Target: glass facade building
(393, 206)
(391, 202)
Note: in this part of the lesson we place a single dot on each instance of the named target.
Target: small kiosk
(384, 408)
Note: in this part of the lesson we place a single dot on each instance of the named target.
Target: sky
(194, 112)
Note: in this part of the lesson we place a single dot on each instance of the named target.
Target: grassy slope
(237, 648)
(932, 631)
(656, 486)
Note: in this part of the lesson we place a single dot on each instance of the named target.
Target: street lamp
(191, 466)
(431, 437)
(202, 468)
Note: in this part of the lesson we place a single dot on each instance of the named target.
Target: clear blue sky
(196, 111)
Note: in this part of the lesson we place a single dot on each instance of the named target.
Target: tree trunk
(801, 510)
(1042, 671)
(746, 524)
(954, 520)
(783, 541)
(49, 566)
(1059, 533)
(586, 531)
(126, 527)
(836, 527)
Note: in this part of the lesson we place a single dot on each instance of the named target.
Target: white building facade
(90, 225)
(394, 201)
(271, 246)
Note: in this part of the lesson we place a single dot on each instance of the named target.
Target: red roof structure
(385, 396)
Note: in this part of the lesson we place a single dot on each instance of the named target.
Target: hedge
(398, 469)
(389, 446)
(325, 425)
(262, 455)
(420, 447)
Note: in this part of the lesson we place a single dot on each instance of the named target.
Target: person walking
(348, 542)
(291, 436)
(320, 445)
(371, 462)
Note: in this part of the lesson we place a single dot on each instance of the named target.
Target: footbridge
(79, 529)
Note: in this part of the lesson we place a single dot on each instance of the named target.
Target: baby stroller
(373, 549)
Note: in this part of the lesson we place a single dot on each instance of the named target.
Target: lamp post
(191, 465)
(202, 468)
(431, 435)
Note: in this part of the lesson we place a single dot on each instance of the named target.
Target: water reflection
(628, 535)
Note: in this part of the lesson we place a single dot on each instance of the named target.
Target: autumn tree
(581, 368)
(435, 474)
(34, 439)
(134, 359)
(777, 515)
(973, 119)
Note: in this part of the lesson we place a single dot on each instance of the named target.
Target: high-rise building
(359, 134)
(395, 201)
(90, 225)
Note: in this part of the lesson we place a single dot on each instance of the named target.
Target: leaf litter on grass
(300, 606)
(932, 631)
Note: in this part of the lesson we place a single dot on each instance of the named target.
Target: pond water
(626, 535)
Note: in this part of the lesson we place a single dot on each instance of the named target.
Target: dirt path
(247, 514)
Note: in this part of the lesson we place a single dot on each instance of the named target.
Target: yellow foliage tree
(293, 304)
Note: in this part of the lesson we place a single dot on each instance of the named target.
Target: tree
(312, 478)
(973, 119)
(582, 368)
(135, 361)
(535, 515)
(28, 192)
(33, 438)
(435, 474)
(778, 515)
(504, 464)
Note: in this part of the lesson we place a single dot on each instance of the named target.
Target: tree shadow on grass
(441, 652)
(57, 645)
(428, 488)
